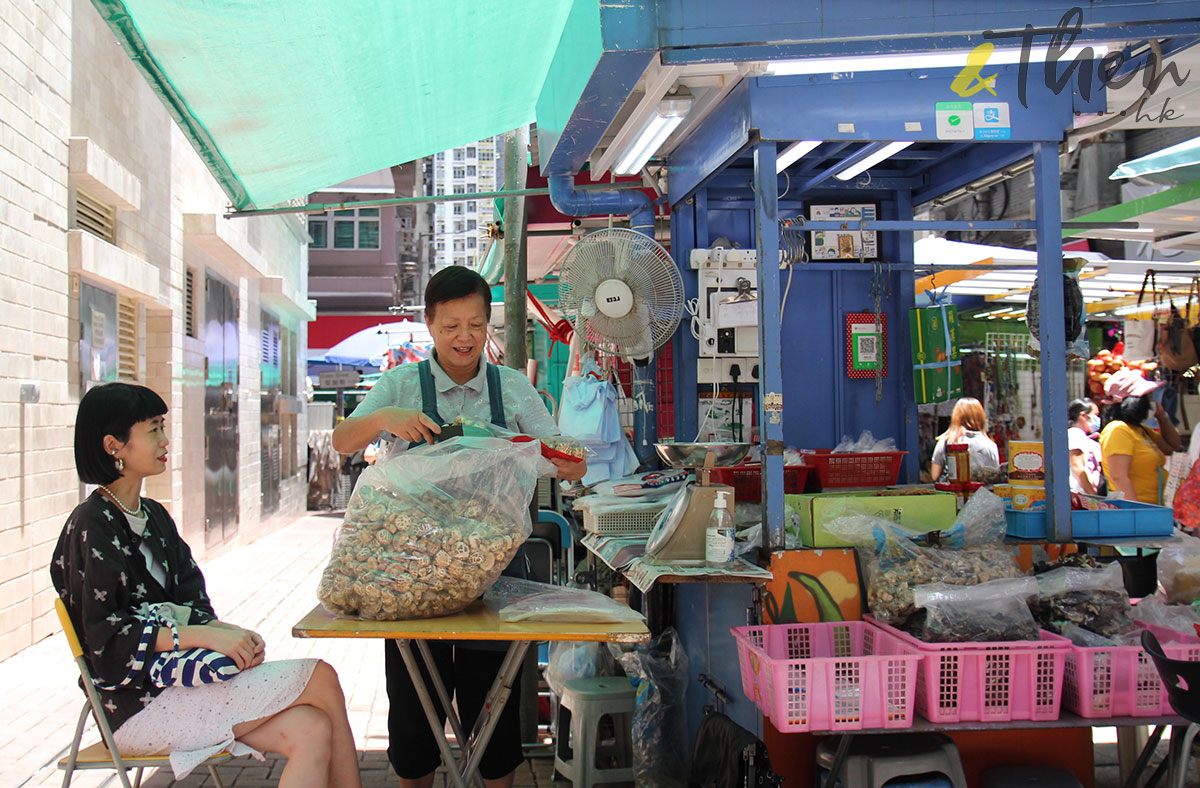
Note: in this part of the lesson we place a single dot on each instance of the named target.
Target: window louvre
(127, 339)
(94, 216)
(189, 304)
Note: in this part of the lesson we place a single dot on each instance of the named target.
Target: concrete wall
(78, 116)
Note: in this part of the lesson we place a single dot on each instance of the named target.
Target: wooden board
(477, 622)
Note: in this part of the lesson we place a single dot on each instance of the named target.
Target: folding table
(478, 622)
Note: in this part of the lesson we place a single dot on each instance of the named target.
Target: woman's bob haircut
(110, 409)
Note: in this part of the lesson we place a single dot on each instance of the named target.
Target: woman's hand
(244, 647)
(571, 471)
(411, 425)
(260, 644)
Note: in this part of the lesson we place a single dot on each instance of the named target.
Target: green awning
(284, 97)
(1172, 166)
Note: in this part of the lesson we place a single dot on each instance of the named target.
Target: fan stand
(685, 545)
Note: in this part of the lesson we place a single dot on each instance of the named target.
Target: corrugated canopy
(284, 97)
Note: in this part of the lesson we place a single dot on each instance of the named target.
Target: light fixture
(792, 153)
(867, 162)
(666, 118)
(913, 60)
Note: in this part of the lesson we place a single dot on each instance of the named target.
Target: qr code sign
(866, 345)
(868, 348)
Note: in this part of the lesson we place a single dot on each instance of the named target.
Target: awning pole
(515, 264)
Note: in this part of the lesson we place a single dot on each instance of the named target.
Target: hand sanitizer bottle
(718, 538)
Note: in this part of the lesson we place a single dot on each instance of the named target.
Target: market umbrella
(368, 347)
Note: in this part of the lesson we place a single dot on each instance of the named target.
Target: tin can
(958, 463)
(1026, 464)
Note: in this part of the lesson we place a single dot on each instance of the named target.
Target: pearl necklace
(133, 512)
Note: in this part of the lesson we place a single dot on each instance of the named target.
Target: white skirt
(195, 723)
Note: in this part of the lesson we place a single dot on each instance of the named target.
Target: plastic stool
(588, 750)
(876, 759)
(1029, 777)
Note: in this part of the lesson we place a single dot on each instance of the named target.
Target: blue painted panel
(709, 30)
(882, 106)
(966, 165)
(704, 614)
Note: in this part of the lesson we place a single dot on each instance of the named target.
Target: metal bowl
(691, 455)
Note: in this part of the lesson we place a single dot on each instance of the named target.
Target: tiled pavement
(267, 586)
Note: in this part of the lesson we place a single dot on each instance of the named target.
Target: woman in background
(1084, 417)
(1134, 455)
(968, 424)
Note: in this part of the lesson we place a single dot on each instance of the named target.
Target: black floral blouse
(100, 573)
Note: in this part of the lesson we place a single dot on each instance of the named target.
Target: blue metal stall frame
(723, 184)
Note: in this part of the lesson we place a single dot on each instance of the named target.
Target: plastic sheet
(991, 611)
(1179, 571)
(528, 600)
(658, 672)
(427, 530)
(567, 661)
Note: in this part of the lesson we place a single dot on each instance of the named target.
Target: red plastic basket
(842, 676)
(1121, 681)
(746, 480)
(991, 681)
(876, 469)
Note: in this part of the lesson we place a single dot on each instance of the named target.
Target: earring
(118, 461)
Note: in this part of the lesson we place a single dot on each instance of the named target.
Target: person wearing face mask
(410, 403)
(1085, 451)
(1134, 455)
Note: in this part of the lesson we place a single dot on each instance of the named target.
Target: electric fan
(622, 292)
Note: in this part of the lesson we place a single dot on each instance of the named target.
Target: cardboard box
(1026, 464)
(915, 511)
(929, 328)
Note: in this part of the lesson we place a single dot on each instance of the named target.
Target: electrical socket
(708, 368)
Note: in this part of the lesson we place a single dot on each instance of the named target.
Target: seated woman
(968, 424)
(1134, 455)
(133, 591)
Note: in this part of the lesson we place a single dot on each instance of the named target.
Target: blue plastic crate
(1129, 519)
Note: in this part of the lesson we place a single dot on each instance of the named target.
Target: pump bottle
(718, 537)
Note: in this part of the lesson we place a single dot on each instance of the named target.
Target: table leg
(1130, 780)
(439, 687)
(439, 734)
(1131, 740)
(493, 704)
(839, 757)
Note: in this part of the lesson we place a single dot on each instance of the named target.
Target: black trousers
(467, 675)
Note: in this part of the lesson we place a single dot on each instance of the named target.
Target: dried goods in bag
(428, 530)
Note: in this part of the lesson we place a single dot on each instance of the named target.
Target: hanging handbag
(729, 756)
(1176, 348)
(188, 667)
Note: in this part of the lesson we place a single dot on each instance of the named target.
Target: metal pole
(906, 298)
(1052, 336)
(515, 169)
(770, 414)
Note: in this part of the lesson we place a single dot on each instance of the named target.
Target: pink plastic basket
(842, 676)
(1122, 681)
(990, 681)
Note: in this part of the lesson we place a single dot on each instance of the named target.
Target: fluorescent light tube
(793, 153)
(666, 118)
(870, 161)
(918, 60)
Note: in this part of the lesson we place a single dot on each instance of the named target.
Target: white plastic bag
(1179, 571)
(567, 661)
(527, 600)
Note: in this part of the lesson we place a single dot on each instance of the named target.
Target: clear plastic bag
(1181, 618)
(527, 600)
(428, 529)
(864, 444)
(658, 672)
(1179, 571)
(1094, 599)
(893, 564)
(566, 661)
(991, 611)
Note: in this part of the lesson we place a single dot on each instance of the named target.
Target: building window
(470, 153)
(470, 206)
(458, 227)
(441, 156)
(439, 191)
(470, 170)
(472, 188)
(458, 154)
(96, 217)
(127, 339)
(319, 230)
(441, 246)
(458, 189)
(458, 245)
(470, 243)
(470, 224)
(458, 209)
(458, 172)
(485, 155)
(353, 229)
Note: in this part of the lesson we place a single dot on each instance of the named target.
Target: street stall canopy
(283, 97)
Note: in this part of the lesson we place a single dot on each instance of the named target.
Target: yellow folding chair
(103, 754)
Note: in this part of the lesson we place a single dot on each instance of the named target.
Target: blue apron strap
(496, 396)
(428, 396)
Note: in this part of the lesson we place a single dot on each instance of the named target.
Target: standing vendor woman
(1085, 451)
(968, 424)
(410, 402)
(1134, 454)
(133, 591)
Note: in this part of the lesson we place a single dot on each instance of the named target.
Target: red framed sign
(866, 347)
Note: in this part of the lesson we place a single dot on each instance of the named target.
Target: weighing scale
(678, 536)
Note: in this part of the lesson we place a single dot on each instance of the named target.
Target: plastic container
(718, 537)
(1130, 518)
(989, 681)
(842, 676)
(876, 469)
(618, 523)
(746, 480)
(1121, 681)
